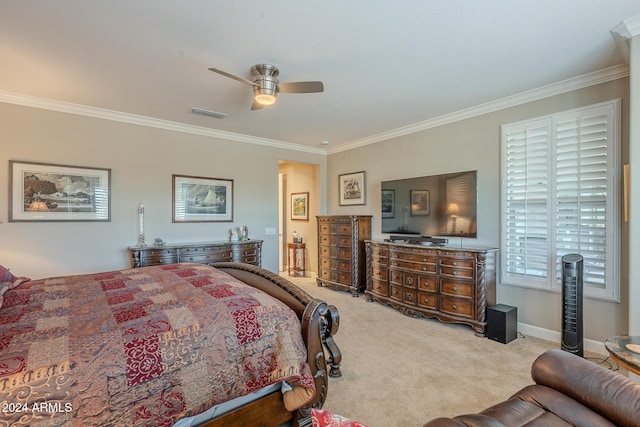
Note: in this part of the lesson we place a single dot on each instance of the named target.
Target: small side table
(296, 259)
(617, 347)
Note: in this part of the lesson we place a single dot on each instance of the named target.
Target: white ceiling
(386, 65)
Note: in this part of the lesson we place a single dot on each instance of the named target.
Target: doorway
(298, 178)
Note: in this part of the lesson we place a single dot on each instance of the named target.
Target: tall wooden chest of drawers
(341, 251)
(249, 252)
(450, 284)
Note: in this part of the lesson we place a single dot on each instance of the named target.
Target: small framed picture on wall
(300, 206)
(352, 188)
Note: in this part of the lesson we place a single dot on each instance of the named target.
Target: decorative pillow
(324, 418)
(8, 281)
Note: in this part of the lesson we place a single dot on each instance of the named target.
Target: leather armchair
(568, 391)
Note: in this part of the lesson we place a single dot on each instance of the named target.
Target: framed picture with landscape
(48, 192)
(200, 199)
(300, 206)
(352, 188)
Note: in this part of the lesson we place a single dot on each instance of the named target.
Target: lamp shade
(453, 209)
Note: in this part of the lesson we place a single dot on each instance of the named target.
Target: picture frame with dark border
(300, 206)
(57, 193)
(388, 202)
(201, 199)
(352, 188)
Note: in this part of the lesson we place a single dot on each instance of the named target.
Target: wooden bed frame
(320, 323)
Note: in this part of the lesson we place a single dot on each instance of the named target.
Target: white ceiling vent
(208, 113)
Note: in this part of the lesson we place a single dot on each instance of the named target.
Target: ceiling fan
(266, 85)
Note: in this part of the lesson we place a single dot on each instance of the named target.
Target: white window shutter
(526, 203)
(559, 196)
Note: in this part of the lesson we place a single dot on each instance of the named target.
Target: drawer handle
(454, 263)
(455, 273)
(424, 268)
(426, 300)
(424, 260)
(455, 289)
(410, 297)
(410, 280)
(455, 307)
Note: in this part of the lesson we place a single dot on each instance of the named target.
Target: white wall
(475, 144)
(142, 161)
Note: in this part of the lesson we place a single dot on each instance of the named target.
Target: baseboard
(591, 346)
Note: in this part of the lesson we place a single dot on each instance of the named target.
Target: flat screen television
(435, 205)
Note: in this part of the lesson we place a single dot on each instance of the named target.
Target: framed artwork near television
(352, 188)
(300, 206)
(420, 202)
(200, 199)
(388, 203)
(48, 192)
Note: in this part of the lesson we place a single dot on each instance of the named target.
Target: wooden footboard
(319, 321)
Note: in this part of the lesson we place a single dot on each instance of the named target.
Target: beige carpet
(400, 371)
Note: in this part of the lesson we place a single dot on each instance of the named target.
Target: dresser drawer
(428, 300)
(380, 273)
(206, 258)
(380, 252)
(456, 306)
(457, 288)
(464, 273)
(345, 253)
(457, 262)
(395, 292)
(328, 274)
(410, 296)
(245, 251)
(410, 280)
(328, 263)
(159, 256)
(396, 277)
(422, 257)
(414, 266)
(344, 265)
(328, 251)
(343, 229)
(344, 278)
(380, 287)
(426, 283)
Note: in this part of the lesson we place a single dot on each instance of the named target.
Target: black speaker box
(502, 323)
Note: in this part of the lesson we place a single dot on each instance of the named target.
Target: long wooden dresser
(341, 251)
(451, 284)
(249, 252)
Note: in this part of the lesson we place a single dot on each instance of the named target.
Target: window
(559, 196)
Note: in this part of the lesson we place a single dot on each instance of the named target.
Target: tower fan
(572, 333)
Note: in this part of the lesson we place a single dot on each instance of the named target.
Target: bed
(162, 346)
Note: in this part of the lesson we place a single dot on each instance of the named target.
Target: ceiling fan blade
(301, 87)
(240, 79)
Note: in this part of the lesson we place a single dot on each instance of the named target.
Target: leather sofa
(568, 391)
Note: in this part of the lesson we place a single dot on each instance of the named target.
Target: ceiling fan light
(265, 99)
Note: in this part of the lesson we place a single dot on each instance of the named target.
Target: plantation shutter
(559, 196)
(526, 202)
(583, 186)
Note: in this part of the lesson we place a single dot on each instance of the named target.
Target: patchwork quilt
(141, 347)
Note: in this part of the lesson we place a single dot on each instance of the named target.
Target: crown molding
(100, 113)
(586, 80)
(625, 31)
